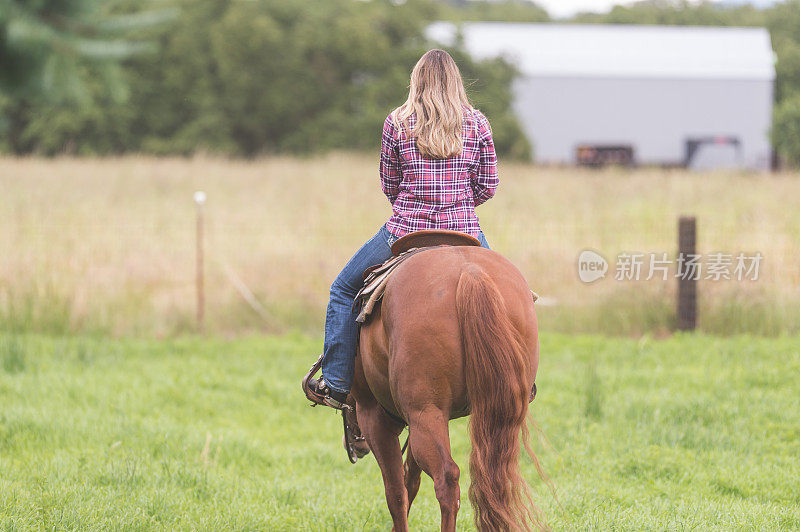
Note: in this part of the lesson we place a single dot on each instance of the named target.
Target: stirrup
(352, 437)
(317, 398)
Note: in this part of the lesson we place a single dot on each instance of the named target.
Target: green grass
(691, 432)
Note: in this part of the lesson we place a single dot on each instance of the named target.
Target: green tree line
(260, 76)
(239, 78)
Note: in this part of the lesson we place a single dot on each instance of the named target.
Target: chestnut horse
(455, 334)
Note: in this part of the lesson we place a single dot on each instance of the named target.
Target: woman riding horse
(437, 164)
(456, 331)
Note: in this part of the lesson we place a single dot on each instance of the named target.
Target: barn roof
(621, 51)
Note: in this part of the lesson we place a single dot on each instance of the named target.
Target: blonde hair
(436, 96)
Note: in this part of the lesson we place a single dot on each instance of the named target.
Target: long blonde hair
(436, 96)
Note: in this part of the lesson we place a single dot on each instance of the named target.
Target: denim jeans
(341, 329)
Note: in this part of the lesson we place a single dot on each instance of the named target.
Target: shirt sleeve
(484, 183)
(389, 167)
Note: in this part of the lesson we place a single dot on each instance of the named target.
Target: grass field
(687, 433)
(108, 245)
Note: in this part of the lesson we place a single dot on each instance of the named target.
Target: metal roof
(619, 51)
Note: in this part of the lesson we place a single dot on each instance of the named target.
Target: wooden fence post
(200, 200)
(687, 284)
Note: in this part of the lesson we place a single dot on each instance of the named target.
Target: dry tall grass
(108, 245)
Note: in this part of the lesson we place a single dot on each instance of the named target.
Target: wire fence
(112, 245)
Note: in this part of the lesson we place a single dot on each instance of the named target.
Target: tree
(57, 57)
(493, 10)
(786, 129)
(46, 46)
(246, 78)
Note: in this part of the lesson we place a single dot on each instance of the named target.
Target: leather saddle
(431, 238)
(377, 277)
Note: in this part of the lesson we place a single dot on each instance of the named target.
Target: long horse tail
(498, 390)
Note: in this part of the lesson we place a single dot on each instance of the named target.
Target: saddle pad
(375, 283)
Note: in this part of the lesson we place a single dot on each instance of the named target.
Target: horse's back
(423, 290)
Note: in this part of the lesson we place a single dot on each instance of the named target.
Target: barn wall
(653, 115)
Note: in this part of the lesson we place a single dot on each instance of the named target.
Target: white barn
(700, 96)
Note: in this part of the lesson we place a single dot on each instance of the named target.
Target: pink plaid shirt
(438, 193)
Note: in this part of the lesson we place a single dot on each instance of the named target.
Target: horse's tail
(498, 390)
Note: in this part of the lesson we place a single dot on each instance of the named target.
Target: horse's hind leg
(382, 434)
(412, 476)
(430, 444)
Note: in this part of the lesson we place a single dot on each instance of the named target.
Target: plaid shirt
(438, 193)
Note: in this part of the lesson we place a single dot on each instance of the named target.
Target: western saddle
(377, 277)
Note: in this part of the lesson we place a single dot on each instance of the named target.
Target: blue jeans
(341, 329)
